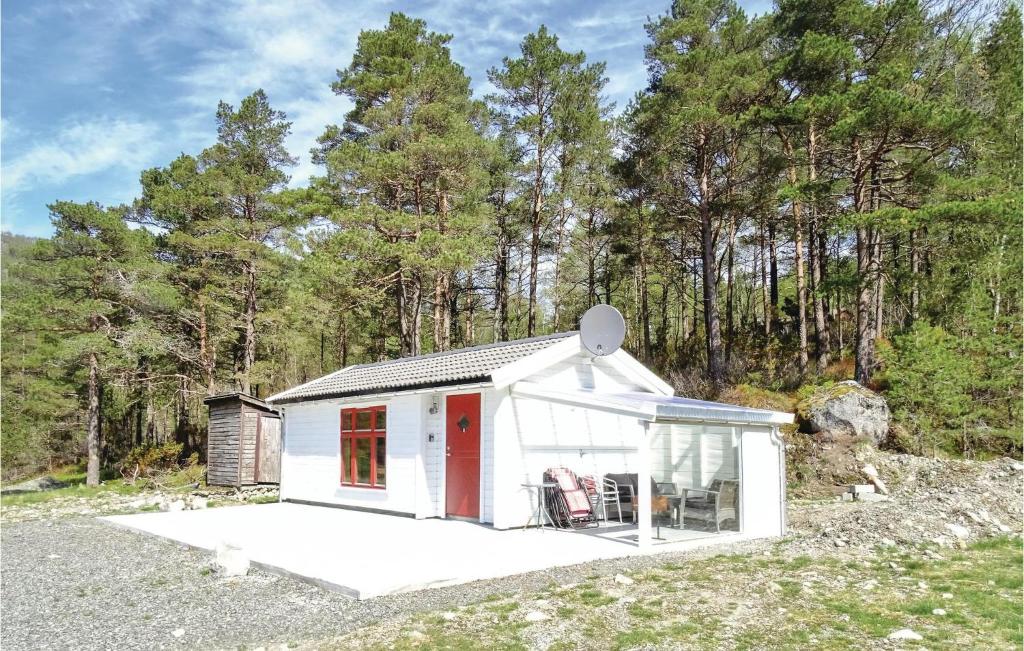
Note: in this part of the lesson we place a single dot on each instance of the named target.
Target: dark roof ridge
(468, 349)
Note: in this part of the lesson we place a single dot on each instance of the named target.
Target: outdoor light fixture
(433, 407)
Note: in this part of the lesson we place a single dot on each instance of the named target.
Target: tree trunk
(501, 263)
(765, 299)
(643, 296)
(865, 341)
(249, 343)
(92, 472)
(915, 271)
(821, 335)
(773, 268)
(730, 325)
(535, 227)
(798, 256)
(712, 325)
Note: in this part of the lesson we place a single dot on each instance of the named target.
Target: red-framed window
(364, 447)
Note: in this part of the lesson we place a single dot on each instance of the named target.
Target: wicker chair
(715, 505)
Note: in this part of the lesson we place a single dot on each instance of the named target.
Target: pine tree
(408, 168)
(246, 167)
(92, 266)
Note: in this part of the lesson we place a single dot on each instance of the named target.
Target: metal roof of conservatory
(423, 371)
(656, 408)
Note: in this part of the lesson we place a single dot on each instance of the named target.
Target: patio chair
(628, 491)
(602, 495)
(568, 502)
(713, 507)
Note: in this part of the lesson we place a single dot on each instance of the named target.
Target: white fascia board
(633, 369)
(535, 362)
(644, 411)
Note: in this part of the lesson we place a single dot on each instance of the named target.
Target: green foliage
(956, 394)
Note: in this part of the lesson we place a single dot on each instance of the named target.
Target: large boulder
(845, 410)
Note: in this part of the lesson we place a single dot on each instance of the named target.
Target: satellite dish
(602, 330)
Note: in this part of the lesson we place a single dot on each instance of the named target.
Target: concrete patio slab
(368, 554)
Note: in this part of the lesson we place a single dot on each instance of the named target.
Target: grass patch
(729, 603)
(593, 597)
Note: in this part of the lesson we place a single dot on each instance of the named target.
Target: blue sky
(94, 91)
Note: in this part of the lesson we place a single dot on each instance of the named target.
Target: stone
(839, 542)
(872, 497)
(623, 579)
(904, 634)
(845, 409)
(938, 611)
(448, 616)
(858, 489)
(231, 560)
(178, 632)
(199, 503)
(947, 595)
(535, 616)
(961, 532)
(847, 497)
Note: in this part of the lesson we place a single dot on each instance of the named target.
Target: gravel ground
(79, 583)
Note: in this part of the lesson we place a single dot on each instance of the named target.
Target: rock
(858, 489)
(847, 497)
(33, 485)
(176, 505)
(872, 497)
(199, 503)
(846, 409)
(963, 533)
(448, 616)
(947, 595)
(535, 616)
(417, 635)
(938, 611)
(904, 634)
(178, 632)
(623, 579)
(839, 542)
(230, 560)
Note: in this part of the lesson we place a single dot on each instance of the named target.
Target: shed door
(462, 469)
(268, 465)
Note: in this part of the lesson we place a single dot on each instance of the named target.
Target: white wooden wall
(761, 484)
(311, 459)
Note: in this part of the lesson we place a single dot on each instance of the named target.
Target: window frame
(347, 478)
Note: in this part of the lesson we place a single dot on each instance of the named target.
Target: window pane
(346, 460)
(382, 421)
(362, 420)
(362, 461)
(346, 420)
(381, 460)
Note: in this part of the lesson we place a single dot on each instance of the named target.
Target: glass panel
(381, 460)
(362, 461)
(346, 421)
(346, 460)
(363, 420)
(382, 420)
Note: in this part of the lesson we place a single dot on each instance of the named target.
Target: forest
(830, 191)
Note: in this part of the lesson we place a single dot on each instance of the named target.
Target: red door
(462, 474)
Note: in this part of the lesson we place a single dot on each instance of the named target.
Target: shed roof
(423, 371)
(240, 397)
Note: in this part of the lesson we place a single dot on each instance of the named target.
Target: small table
(540, 512)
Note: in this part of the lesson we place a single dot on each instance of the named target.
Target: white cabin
(469, 433)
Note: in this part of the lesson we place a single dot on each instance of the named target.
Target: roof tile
(475, 363)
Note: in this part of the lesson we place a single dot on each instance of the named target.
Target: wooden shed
(244, 441)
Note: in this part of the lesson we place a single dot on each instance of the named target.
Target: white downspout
(643, 483)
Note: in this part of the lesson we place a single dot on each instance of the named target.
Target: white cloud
(79, 148)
